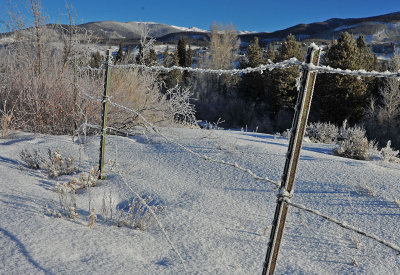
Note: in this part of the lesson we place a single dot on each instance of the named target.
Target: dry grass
(6, 120)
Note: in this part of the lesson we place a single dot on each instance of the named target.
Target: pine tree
(340, 97)
(182, 53)
(120, 54)
(173, 77)
(251, 86)
(281, 83)
(365, 55)
(140, 58)
(95, 60)
(289, 48)
(189, 57)
(270, 53)
(151, 59)
(166, 58)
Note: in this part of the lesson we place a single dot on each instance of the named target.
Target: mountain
(133, 30)
(381, 32)
(383, 28)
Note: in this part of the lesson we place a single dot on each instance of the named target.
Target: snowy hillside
(132, 30)
(215, 216)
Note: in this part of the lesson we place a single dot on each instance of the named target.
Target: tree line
(266, 101)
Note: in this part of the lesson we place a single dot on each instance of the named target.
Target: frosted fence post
(75, 93)
(107, 76)
(302, 110)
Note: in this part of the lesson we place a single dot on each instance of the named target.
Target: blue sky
(252, 15)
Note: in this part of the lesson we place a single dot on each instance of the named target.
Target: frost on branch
(179, 105)
(352, 142)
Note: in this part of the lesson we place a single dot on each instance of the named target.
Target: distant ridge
(382, 32)
(377, 29)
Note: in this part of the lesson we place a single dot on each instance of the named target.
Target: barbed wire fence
(307, 72)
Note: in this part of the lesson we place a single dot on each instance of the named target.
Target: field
(215, 216)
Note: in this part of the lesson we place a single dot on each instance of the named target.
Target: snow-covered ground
(215, 215)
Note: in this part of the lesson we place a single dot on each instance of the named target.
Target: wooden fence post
(75, 93)
(107, 78)
(300, 118)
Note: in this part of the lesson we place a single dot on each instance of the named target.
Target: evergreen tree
(173, 77)
(95, 60)
(340, 97)
(140, 58)
(120, 54)
(167, 61)
(251, 86)
(185, 60)
(151, 59)
(148, 57)
(281, 84)
(189, 57)
(182, 54)
(270, 53)
(368, 60)
(289, 48)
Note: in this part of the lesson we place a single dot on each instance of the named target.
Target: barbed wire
(282, 195)
(207, 158)
(281, 65)
(359, 73)
(157, 220)
(341, 224)
(271, 66)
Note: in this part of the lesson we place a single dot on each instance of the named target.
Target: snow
(215, 215)
(190, 29)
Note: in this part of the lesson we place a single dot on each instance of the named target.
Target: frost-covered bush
(181, 110)
(286, 133)
(39, 87)
(322, 132)
(137, 215)
(54, 164)
(32, 160)
(85, 180)
(141, 91)
(352, 142)
(389, 154)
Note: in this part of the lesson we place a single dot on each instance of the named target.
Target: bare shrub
(85, 180)
(352, 142)
(389, 154)
(32, 160)
(382, 119)
(140, 91)
(54, 165)
(67, 200)
(322, 132)
(180, 108)
(364, 188)
(92, 217)
(107, 207)
(6, 120)
(137, 215)
(38, 80)
(137, 90)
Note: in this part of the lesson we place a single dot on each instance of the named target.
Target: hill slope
(214, 215)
